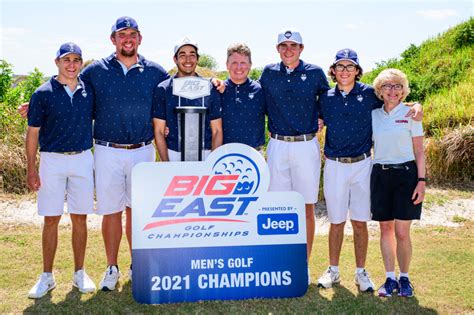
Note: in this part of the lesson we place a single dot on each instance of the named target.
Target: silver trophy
(191, 119)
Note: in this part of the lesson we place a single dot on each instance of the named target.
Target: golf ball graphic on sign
(238, 164)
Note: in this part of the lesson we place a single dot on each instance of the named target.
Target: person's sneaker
(44, 284)
(130, 273)
(328, 279)
(309, 276)
(362, 280)
(82, 281)
(388, 288)
(110, 279)
(406, 288)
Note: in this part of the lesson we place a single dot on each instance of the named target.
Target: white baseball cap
(185, 41)
(289, 34)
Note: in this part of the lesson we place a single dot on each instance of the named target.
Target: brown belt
(349, 159)
(122, 146)
(306, 137)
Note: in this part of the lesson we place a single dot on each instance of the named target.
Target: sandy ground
(22, 210)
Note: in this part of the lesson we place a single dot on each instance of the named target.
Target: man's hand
(320, 124)
(218, 84)
(23, 110)
(415, 112)
(33, 180)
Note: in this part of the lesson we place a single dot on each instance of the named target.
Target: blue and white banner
(211, 230)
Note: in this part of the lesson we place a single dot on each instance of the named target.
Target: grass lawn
(441, 271)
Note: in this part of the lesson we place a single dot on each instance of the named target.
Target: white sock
(391, 275)
(359, 270)
(334, 268)
(403, 274)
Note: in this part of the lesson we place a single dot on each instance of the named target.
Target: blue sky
(31, 31)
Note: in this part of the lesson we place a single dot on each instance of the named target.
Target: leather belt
(122, 146)
(70, 152)
(306, 137)
(350, 159)
(401, 166)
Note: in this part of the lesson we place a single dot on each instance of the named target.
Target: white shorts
(113, 175)
(66, 175)
(175, 156)
(347, 189)
(295, 166)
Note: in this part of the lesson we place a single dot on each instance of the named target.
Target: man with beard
(164, 103)
(123, 86)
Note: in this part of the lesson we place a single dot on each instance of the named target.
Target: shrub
(449, 157)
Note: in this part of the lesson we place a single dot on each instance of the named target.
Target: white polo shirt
(392, 134)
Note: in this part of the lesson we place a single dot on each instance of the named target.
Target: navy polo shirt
(292, 97)
(243, 113)
(65, 122)
(164, 103)
(123, 102)
(349, 120)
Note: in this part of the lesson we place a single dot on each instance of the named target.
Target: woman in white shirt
(397, 179)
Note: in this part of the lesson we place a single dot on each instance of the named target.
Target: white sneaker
(44, 284)
(328, 279)
(82, 281)
(130, 273)
(309, 276)
(362, 280)
(110, 279)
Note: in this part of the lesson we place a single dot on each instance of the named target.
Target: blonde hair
(393, 75)
(241, 49)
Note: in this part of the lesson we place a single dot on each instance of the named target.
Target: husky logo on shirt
(84, 93)
(141, 69)
(251, 95)
(360, 98)
(303, 77)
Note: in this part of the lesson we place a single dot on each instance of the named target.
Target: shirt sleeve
(37, 111)
(159, 103)
(216, 107)
(416, 128)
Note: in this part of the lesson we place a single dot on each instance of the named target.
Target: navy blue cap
(123, 23)
(346, 54)
(68, 48)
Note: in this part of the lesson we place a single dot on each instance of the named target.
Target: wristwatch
(421, 179)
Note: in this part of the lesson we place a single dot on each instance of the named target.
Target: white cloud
(437, 14)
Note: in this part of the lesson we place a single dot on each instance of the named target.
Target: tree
(207, 61)
(6, 78)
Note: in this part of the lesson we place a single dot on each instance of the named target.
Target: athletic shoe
(110, 279)
(309, 276)
(362, 280)
(406, 288)
(130, 273)
(329, 278)
(82, 281)
(44, 284)
(390, 285)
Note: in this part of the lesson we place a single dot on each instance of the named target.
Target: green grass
(440, 272)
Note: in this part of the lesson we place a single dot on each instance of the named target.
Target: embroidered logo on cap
(127, 22)
(346, 53)
(71, 47)
(288, 34)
